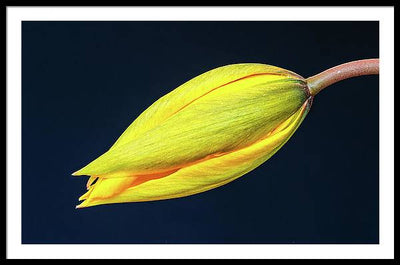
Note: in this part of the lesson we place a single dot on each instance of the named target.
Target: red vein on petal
(239, 79)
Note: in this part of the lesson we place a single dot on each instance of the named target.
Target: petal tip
(79, 172)
(82, 205)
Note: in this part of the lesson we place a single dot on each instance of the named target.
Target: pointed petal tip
(82, 205)
(79, 172)
(91, 180)
(84, 171)
(76, 173)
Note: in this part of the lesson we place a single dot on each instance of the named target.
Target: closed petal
(199, 177)
(193, 89)
(231, 117)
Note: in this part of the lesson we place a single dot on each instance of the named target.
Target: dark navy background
(85, 82)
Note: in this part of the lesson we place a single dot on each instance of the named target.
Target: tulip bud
(205, 133)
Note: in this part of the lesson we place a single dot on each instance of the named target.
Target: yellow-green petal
(191, 90)
(198, 177)
(230, 117)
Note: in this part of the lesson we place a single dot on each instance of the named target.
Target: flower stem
(344, 71)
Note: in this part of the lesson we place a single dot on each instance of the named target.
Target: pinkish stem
(344, 71)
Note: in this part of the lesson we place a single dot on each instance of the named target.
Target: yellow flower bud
(205, 133)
